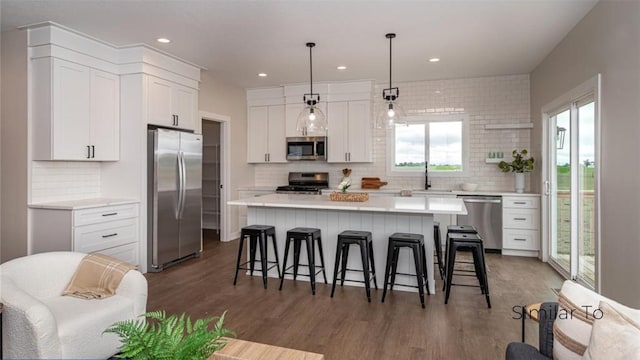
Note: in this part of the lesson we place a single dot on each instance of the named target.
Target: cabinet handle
(93, 151)
(520, 219)
(265, 157)
(519, 239)
(88, 152)
(110, 214)
(519, 202)
(269, 157)
(345, 156)
(177, 120)
(349, 156)
(110, 235)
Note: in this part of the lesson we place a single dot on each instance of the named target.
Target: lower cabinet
(520, 226)
(111, 230)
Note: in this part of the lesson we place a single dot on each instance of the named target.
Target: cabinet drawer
(520, 219)
(91, 238)
(104, 214)
(521, 202)
(521, 239)
(127, 253)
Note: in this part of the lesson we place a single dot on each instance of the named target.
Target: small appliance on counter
(305, 183)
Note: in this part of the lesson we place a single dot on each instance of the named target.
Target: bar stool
(468, 242)
(457, 229)
(364, 240)
(255, 233)
(438, 245)
(310, 236)
(416, 243)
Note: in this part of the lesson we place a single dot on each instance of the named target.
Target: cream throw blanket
(97, 277)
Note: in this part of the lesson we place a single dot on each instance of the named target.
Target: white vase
(519, 182)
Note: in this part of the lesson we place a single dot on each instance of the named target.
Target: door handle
(547, 187)
(88, 151)
(93, 151)
(177, 120)
(183, 187)
(480, 201)
(178, 186)
(349, 156)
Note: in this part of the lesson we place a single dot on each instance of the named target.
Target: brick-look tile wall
(62, 180)
(487, 100)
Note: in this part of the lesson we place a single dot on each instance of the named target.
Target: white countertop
(393, 204)
(82, 204)
(417, 192)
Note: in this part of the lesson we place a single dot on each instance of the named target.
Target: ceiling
(235, 40)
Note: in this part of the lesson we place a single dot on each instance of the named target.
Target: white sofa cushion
(613, 337)
(572, 327)
(81, 324)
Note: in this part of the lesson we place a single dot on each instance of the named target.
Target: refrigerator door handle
(183, 185)
(179, 186)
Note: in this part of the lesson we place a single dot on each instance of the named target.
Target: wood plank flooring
(347, 326)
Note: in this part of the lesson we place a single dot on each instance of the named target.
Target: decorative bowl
(469, 186)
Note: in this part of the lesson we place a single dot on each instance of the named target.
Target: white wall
(224, 99)
(13, 145)
(487, 100)
(606, 41)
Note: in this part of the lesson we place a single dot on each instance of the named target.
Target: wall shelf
(493, 160)
(508, 126)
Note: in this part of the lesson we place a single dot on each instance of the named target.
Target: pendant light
(311, 118)
(392, 113)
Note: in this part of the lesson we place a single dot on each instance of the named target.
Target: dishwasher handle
(482, 201)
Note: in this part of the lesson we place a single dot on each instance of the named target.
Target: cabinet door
(159, 102)
(337, 141)
(359, 131)
(105, 116)
(184, 106)
(277, 146)
(71, 110)
(257, 129)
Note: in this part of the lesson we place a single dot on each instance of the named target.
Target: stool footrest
(407, 285)
(467, 285)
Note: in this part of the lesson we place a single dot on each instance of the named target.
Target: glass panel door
(586, 193)
(560, 194)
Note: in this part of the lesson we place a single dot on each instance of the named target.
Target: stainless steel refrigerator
(174, 197)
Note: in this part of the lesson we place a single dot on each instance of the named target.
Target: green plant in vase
(173, 337)
(520, 164)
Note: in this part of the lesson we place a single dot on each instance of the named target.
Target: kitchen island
(381, 215)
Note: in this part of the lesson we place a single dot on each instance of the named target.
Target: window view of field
(443, 139)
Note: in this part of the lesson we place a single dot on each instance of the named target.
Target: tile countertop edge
(82, 203)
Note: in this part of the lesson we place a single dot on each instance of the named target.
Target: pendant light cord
(390, 39)
(310, 69)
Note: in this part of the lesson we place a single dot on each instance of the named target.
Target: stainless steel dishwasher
(485, 213)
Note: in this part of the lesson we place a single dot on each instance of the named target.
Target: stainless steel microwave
(307, 148)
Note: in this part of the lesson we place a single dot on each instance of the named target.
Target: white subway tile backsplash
(488, 100)
(64, 180)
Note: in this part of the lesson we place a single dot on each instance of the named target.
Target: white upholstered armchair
(40, 323)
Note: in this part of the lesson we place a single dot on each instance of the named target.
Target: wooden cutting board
(372, 183)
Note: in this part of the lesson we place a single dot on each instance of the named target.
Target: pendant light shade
(311, 118)
(392, 113)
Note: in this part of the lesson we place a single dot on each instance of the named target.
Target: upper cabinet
(265, 134)
(75, 111)
(170, 104)
(349, 138)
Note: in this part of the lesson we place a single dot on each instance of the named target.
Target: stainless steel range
(305, 183)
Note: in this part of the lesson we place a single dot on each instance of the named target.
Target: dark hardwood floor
(347, 326)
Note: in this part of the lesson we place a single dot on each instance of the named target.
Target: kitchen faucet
(427, 182)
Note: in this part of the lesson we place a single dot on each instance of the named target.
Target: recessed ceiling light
(262, 74)
(341, 67)
(434, 59)
(163, 40)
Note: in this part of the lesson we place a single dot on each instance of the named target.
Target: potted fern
(520, 164)
(173, 337)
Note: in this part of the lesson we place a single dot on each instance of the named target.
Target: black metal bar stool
(467, 242)
(456, 229)
(310, 236)
(364, 240)
(438, 245)
(257, 233)
(416, 243)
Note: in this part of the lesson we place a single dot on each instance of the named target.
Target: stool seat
(257, 235)
(416, 243)
(407, 237)
(364, 240)
(465, 237)
(310, 236)
(461, 229)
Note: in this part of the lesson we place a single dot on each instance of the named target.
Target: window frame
(426, 119)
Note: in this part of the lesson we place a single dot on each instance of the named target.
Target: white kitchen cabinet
(266, 134)
(521, 225)
(291, 119)
(76, 112)
(171, 105)
(349, 134)
(111, 230)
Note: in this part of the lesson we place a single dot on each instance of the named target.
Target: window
(440, 140)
